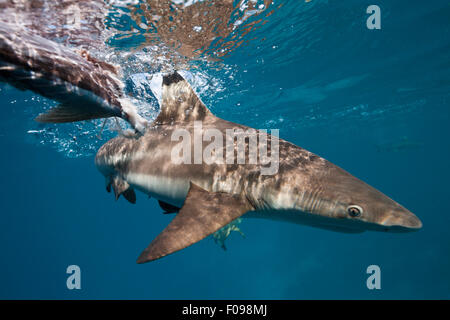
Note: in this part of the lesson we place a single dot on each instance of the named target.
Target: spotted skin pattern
(306, 188)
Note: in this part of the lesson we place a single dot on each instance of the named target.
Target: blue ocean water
(374, 102)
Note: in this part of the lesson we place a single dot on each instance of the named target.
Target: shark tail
(72, 113)
(85, 87)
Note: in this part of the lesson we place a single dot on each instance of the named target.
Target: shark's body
(307, 189)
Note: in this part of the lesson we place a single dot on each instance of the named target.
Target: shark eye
(354, 211)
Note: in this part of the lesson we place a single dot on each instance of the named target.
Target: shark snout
(402, 219)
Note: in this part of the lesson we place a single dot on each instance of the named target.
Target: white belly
(173, 191)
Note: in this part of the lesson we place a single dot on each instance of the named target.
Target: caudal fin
(85, 87)
(72, 113)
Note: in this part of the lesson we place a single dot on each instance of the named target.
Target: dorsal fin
(179, 102)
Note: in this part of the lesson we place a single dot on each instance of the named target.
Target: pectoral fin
(202, 214)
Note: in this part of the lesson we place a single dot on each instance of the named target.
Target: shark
(204, 196)
(306, 189)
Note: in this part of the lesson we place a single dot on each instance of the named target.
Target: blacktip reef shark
(306, 189)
